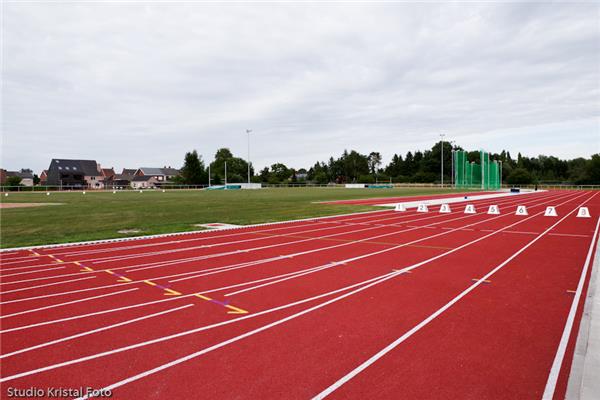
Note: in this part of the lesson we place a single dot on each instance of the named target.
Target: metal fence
(29, 189)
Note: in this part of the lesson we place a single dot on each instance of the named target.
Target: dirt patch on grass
(24, 205)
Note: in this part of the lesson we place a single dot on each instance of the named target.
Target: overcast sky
(139, 84)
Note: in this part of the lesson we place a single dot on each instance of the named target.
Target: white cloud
(140, 84)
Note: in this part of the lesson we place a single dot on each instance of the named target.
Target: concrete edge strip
(578, 379)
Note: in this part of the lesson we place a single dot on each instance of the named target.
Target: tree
(13, 181)
(374, 161)
(193, 171)
(519, 176)
(280, 172)
(36, 179)
(236, 167)
(321, 178)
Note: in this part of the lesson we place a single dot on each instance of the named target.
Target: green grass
(99, 215)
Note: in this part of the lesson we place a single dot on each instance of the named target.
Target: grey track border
(205, 231)
(583, 381)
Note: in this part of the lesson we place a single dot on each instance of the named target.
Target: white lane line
(67, 303)
(247, 334)
(114, 258)
(294, 224)
(188, 273)
(446, 232)
(29, 267)
(45, 285)
(101, 329)
(564, 340)
(31, 272)
(368, 283)
(138, 255)
(336, 385)
(93, 314)
(242, 265)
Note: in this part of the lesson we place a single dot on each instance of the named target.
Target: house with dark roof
(145, 182)
(161, 175)
(75, 174)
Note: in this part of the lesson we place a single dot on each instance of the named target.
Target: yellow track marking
(150, 283)
(87, 269)
(236, 310)
(484, 281)
(171, 292)
(123, 279)
(203, 297)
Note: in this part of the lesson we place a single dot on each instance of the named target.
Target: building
(75, 174)
(44, 177)
(26, 176)
(123, 180)
(144, 182)
(161, 174)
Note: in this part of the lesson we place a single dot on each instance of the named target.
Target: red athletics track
(381, 305)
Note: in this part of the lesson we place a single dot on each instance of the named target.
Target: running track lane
(290, 353)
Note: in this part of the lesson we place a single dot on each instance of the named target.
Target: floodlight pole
(248, 132)
(442, 144)
(209, 175)
(225, 174)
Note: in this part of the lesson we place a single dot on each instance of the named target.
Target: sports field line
(352, 216)
(157, 264)
(113, 258)
(566, 335)
(9, 251)
(90, 332)
(368, 283)
(160, 264)
(46, 285)
(270, 259)
(349, 260)
(134, 267)
(336, 385)
(57, 266)
(67, 303)
(260, 329)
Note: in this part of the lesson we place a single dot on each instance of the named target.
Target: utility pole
(225, 174)
(442, 144)
(209, 175)
(248, 132)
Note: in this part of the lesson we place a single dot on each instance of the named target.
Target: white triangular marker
(470, 209)
(583, 212)
(521, 210)
(47, 193)
(550, 212)
(445, 208)
(494, 209)
(422, 208)
(400, 207)
(83, 192)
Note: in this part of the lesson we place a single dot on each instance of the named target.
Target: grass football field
(100, 215)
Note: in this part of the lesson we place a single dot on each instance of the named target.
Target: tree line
(412, 167)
